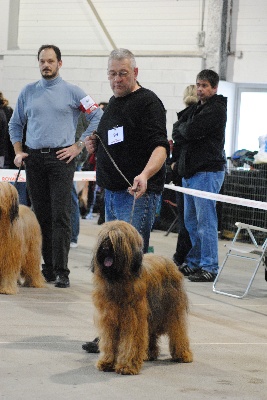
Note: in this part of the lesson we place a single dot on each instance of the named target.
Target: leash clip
(132, 212)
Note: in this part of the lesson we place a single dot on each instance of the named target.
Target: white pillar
(9, 18)
(216, 37)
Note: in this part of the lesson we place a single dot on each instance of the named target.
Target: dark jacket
(199, 136)
(3, 132)
(9, 150)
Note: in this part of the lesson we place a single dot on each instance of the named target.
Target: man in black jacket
(200, 135)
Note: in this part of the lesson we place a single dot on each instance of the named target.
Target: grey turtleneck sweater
(51, 110)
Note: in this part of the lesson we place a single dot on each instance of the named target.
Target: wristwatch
(80, 143)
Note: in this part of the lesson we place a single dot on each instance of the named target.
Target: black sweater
(142, 116)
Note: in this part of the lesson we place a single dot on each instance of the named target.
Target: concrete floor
(42, 330)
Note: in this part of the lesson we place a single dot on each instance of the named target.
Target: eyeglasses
(120, 74)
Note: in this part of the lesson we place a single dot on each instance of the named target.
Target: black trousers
(183, 241)
(49, 183)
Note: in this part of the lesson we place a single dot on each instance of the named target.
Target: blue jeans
(75, 215)
(201, 221)
(119, 205)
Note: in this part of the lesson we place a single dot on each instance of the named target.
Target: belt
(44, 150)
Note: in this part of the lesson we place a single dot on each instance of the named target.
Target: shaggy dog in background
(138, 298)
(20, 243)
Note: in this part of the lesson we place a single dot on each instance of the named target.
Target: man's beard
(48, 77)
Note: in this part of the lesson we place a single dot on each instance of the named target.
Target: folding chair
(252, 252)
(173, 206)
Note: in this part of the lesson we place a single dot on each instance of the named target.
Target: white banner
(10, 175)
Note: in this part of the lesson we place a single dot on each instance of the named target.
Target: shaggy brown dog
(20, 243)
(138, 299)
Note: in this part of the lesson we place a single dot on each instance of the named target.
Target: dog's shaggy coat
(20, 243)
(138, 298)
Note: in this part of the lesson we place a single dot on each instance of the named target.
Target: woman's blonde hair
(190, 95)
(3, 102)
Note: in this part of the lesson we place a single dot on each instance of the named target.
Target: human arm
(93, 120)
(205, 121)
(175, 161)
(149, 143)
(19, 154)
(153, 165)
(72, 151)
(91, 143)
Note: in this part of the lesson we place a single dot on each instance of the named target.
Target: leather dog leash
(16, 181)
(120, 172)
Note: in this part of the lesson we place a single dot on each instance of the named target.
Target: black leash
(16, 181)
(117, 168)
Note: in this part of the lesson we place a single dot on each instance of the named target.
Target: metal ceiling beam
(109, 41)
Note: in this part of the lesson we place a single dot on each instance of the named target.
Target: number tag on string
(115, 135)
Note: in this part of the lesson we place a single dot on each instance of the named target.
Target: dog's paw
(105, 366)
(126, 370)
(185, 357)
(9, 290)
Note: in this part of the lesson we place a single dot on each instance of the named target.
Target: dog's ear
(137, 262)
(14, 210)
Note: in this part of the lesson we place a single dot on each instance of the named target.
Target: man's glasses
(120, 74)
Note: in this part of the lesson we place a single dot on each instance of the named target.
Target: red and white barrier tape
(10, 175)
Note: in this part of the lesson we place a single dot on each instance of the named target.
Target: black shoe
(49, 275)
(62, 282)
(91, 347)
(186, 270)
(176, 262)
(202, 276)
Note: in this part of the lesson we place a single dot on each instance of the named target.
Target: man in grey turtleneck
(50, 107)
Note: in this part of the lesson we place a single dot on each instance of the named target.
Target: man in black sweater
(133, 130)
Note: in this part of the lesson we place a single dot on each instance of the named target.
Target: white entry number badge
(115, 135)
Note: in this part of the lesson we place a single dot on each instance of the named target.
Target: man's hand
(154, 164)
(139, 186)
(69, 153)
(18, 160)
(91, 143)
